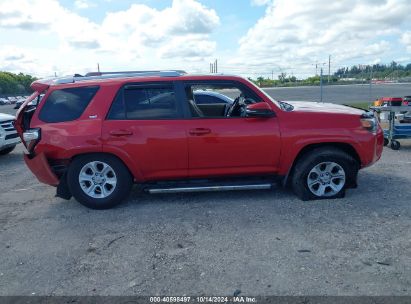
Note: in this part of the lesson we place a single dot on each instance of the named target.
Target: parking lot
(252, 242)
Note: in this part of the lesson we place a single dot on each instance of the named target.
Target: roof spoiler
(40, 85)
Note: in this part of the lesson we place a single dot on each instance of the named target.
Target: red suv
(93, 136)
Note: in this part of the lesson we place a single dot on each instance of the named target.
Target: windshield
(281, 104)
(278, 104)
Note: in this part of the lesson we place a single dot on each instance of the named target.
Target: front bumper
(372, 149)
(41, 169)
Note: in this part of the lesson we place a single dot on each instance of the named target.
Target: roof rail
(107, 75)
(159, 72)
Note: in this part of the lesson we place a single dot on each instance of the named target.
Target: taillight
(30, 138)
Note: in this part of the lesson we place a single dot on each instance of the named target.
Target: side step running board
(210, 188)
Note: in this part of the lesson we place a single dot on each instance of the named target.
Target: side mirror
(259, 109)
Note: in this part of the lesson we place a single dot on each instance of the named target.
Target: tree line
(11, 83)
(354, 74)
(376, 71)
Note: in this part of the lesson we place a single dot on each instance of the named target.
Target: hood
(320, 107)
(4, 117)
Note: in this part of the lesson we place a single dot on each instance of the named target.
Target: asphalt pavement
(341, 94)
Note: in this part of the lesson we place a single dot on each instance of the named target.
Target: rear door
(144, 126)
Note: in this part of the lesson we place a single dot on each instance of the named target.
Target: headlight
(369, 122)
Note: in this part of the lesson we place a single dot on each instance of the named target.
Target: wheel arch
(345, 147)
(122, 160)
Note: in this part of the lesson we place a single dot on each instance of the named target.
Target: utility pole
(213, 67)
(321, 85)
(98, 67)
(371, 84)
(329, 67)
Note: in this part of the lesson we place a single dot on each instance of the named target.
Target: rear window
(67, 104)
(137, 102)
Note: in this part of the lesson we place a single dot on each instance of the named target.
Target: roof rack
(107, 75)
(159, 73)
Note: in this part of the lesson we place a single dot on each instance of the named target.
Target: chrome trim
(210, 188)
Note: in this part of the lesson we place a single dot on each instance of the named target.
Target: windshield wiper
(286, 106)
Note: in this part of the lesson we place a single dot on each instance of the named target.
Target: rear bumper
(41, 169)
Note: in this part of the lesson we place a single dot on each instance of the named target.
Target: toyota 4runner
(93, 136)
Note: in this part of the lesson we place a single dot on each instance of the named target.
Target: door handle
(121, 133)
(199, 131)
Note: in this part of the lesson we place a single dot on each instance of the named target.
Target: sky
(248, 37)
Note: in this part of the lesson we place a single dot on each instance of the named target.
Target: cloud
(93, 44)
(142, 27)
(83, 4)
(406, 40)
(260, 2)
(194, 47)
(180, 31)
(299, 33)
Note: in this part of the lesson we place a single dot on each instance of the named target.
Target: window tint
(157, 102)
(67, 104)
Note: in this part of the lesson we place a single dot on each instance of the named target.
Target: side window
(145, 102)
(207, 99)
(218, 99)
(67, 104)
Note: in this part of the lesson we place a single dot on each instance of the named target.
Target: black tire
(386, 141)
(315, 157)
(7, 150)
(120, 192)
(395, 145)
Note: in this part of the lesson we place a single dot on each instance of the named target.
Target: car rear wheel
(99, 181)
(7, 150)
(323, 173)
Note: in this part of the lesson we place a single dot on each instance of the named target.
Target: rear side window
(67, 104)
(135, 102)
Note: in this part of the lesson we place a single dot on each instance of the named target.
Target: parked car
(210, 97)
(93, 137)
(12, 99)
(19, 103)
(8, 134)
(4, 101)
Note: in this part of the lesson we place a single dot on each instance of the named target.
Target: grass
(361, 105)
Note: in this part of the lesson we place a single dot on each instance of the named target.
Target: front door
(236, 146)
(229, 145)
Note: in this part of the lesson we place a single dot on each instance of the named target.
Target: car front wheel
(99, 181)
(323, 173)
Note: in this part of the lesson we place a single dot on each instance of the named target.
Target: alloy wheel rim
(97, 179)
(326, 179)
